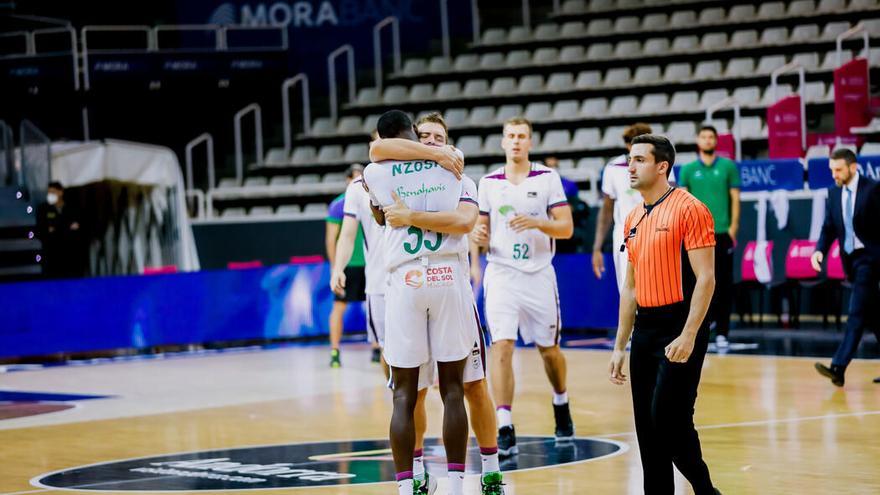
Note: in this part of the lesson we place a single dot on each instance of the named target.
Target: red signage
(785, 128)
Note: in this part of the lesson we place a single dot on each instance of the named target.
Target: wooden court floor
(768, 424)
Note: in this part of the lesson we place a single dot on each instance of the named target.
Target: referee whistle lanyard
(648, 209)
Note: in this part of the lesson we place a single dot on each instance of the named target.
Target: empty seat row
(310, 155)
(309, 210)
(768, 10)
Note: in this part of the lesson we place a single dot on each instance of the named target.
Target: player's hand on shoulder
(397, 214)
(450, 160)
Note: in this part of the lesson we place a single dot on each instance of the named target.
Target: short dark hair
(56, 185)
(663, 150)
(354, 167)
(708, 127)
(394, 123)
(844, 154)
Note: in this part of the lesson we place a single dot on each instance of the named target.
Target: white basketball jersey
(541, 191)
(357, 206)
(423, 186)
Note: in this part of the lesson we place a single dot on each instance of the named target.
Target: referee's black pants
(664, 394)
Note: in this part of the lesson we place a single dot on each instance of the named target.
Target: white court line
(22, 493)
(763, 422)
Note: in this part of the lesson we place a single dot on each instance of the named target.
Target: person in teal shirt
(715, 181)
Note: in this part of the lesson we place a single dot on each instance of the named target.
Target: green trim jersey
(335, 214)
(357, 206)
(711, 184)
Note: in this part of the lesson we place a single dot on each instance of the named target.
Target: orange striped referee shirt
(655, 248)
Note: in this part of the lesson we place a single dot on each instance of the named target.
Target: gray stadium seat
(872, 26)
(315, 209)
(483, 115)
(503, 86)
(626, 24)
(653, 22)
(494, 36)
(330, 154)
(805, 33)
(574, 7)
(333, 178)
(598, 27)
(370, 122)
(768, 64)
(508, 112)
(862, 4)
(656, 46)
(368, 96)
(774, 36)
(654, 103)
(492, 146)
(714, 15)
(751, 127)
(833, 29)
(622, 105)
(685, 157)
(394, 94)
(570, 54)
(470, 145)
(708, 69)
(714, 41)
(493, 60)
(567, 164)
(538, 111)
(275, 157)
(809, 61)
(233, 213)
(439, 64)
(739, 67)
(560, 81)
(828, 6)
(357, 153)
(771, 10)
(557, 140)
(600, 51)
(308, 179)
(350, 124)
(519, 57)
(322, 126)
(677, 72)
(783, 91)
(448, 90)
(421, 93)
(749, 95)
(588, 79)
(684, 101)
(545, 56)
(414, 66)
(456, 117)
(289, 210)
(741, 13)
(685, 43)
(871, 149)
(592, 107)
(683, 19)
(586, 138)
(518, 34)
(628, 48)
(591, 163)
(281, 181)
(546, 31)
(711, 97)
(566, 109)
(830, 60)
(801, 8)
(466, 62)
(815, 91)
(531, 84)
(602, 5)
(647, 74)
(476, 88)
(256, 181)
(573, 29)
(303, 155)
(617, 76)
(681, 132)
(612, 137)
(260, 211)
(745, 38)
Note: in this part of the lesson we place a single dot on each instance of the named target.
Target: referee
(666, 295)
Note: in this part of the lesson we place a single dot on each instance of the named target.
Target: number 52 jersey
(530, 250)
(422, 186)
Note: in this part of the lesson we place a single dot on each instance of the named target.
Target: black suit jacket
(865, 222)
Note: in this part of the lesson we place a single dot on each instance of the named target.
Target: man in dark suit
(848, 213)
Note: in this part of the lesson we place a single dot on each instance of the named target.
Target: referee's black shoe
(877, 380)
(564, 426)
(835, 373)
(507, 441)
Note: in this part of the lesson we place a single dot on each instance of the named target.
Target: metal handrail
(475, 22)
(526, 14)
(258, 132)
(730, 102)
(858, 28)
(285, 108)
(802, 90)
(74, 49)
(215, 28)
(281, 29)
(377, 47)
(199, 196)
(444, 29)
(331, 79)
(85, 124)
(6, 140)
(209, 141)
(25, 127)
(85, 44)
(28, 41)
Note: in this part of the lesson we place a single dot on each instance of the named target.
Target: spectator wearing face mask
(58, 228)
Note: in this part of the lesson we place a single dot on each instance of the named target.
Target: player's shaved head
(396, 124)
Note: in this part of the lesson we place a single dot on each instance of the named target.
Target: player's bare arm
(626, 319)
(344, 250)
(603, 223)
(403, 149)
(559, 226)
(703, 263)
(456, 222)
